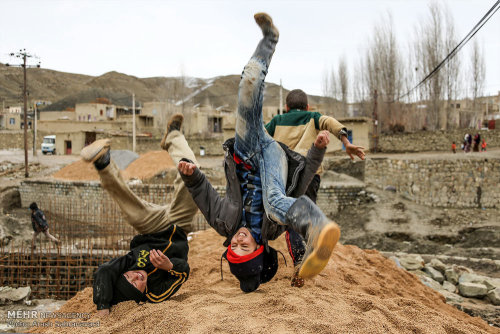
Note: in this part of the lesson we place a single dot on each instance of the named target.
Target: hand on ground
(186, 168)
(353, 150)
(322, 139)
(160, 260)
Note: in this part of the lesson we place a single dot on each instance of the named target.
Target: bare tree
(384, 70)
(477, 73)
(451, 74)
(429, 48)
(343, 85)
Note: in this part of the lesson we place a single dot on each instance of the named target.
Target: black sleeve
(104, 279)
(165, 284)
(208, 200)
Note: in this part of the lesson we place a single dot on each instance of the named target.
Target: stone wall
(423, 141)
(14, 139)
(80, 208)
(459, 182)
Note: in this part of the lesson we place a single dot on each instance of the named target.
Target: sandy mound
(77, 171)
(358, 292)
(148, 165)
(144, 167)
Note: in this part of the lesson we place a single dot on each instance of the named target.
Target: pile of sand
(149, 165)
(144, 167)
(358, 292)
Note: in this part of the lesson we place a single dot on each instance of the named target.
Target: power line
(464, 41)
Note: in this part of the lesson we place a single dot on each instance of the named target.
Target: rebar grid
(51, 271)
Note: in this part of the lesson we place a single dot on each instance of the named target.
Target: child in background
(454, 147)
(483, 146)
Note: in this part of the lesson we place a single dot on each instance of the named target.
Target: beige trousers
(147, 217)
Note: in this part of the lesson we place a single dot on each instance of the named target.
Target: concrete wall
(94, 112)
(433, 140)
(55, 115)
(461, 182)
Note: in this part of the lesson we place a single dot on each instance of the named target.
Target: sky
(211, 38)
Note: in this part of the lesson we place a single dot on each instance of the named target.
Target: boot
(321, 234)
(174, 124)
(267, 45)
(98, 153)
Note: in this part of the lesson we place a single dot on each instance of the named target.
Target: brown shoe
(265, 22)
(323, 248)
(174, 124)
(95, 150)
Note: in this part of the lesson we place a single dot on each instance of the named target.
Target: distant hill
(66, 89)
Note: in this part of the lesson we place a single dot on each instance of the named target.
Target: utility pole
(24, 55)
(133, 122)
(34, 128)
(375, 122)
(280, 112)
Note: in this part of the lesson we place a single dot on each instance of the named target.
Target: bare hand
(160, 260)
(186, 168)
(103, 313)
(322, 139)
(352, 150)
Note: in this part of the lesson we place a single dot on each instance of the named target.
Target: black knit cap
(124, 291)
(33, 206)
(260, 268)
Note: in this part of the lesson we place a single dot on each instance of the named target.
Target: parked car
(49, 144)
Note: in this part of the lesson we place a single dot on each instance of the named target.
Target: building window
(458, 105)
(12, 121)
(215, 124)
(100, 112)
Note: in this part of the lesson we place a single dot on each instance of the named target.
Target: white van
(49, 144)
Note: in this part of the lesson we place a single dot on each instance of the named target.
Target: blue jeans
(252, 142)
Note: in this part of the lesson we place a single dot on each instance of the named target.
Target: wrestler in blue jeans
(257, 148)
(262, 156)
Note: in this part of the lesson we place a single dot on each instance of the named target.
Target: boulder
(492, 283)
(411, 261)
(438, 265)
(475, 290)
(431, 283)
(494, 296)
(8, 294)
(434, 274)
(449, 286)
(453, 274)
(451, 298)
(472, 278)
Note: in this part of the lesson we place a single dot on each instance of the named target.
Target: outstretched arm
(353, 150)
(208, 200)
(338, 130)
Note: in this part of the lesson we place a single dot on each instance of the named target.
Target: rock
(494, 296)
(14, 295)
(453, 274)
(472, 278)
(475, 290)
(438, 265)
(390, 188)
(431, 283)
(492, 283)
(434, 274)
(451, 297)
(411, 261)
(449, 286)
